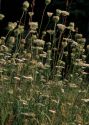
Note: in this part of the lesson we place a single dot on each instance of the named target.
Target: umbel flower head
(30, 14)
(58, 12)
(47, 2)
(55, 19)
(33, 25)
(39, 42)
(19, 30)
(49, 14)
(1, 16)
(71, 26)
(65, 13)
(12, 25)
(61, 27)
(25, 5)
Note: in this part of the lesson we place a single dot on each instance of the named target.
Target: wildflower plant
(42, 72)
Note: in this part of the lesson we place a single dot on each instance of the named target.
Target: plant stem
(41, 20)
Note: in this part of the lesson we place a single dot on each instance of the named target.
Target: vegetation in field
(43, 71)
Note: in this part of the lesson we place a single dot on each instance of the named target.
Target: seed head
(19, 30)
(39, 42)
(28, 78)
(65, 13)
(61, 27)
(12, 39)
(49, 14)
(78, 36)
(71, 26)
(1, 16)
(58, 12)
(56, 19)
(33, 25)
(81, 40)
(51, 32)
(40, 65)
(31, 14)
(64, 42)
(25, 5)
(12, 25)
(17, 78)
(47, 2)
(88, 47)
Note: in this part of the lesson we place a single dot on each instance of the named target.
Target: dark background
(79, 12)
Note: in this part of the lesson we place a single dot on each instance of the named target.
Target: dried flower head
(1, 41)
(12, 39)
(4, 48)
(58, 12)
(51, 32)
(52, 111)
(81, 40)
(61, 27)
(19, 30)
(12, 25)
(65, 13)
(40, 65)
(28, 55)
(44, 55)
(47, 2)
(33, 25)
(30, 14)
(78, 36)
(39, 42)
(49, 14)
(55, 19)
(71, 26)
(64, 42)
(23, 41)
(28, 78)
(85, 100)
(17, 78)
(11, 92)
(25, 5)
(88, 47)
(1, 16)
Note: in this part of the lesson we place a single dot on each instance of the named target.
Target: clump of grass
(42, 72)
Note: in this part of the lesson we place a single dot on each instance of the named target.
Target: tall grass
(42, 72)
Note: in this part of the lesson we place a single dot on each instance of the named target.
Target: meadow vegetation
(43, 76)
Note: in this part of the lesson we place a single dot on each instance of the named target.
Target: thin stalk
(7, 36)
(33, 5)
(42, 20)
(27, 35)
(54, 35)
(47, 24)
(21, 17)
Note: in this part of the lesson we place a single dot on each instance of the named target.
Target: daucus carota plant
(43, 72)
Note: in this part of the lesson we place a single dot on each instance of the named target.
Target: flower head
(58, 12)
(65, 13)
(25, 5)
(1, 16)
(12, 25)
(71, 26)
(61, 27)
(49, 14)
(33, 25)
(55, 19)
(47, 2)
(39, 42)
